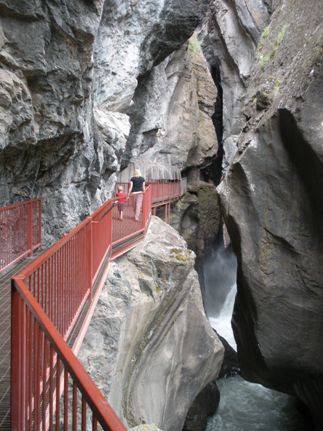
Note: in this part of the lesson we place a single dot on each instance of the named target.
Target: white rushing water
(247, 406)
(244, 406)
(222, 321)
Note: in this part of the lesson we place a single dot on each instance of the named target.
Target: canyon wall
(85, 88)
(272, 196)
(229, 37)
(149, 346)
(69, 72)
(88, 86)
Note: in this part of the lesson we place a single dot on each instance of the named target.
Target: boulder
(150, 347)
(204, 406)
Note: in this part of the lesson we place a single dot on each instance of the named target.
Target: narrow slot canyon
(209, 312)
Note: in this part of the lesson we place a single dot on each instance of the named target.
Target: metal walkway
(5, 338)
(121, 229)
(35, 334)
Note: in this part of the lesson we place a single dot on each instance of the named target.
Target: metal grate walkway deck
(5, 339)
(121, 229)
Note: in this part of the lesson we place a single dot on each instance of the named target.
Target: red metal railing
(52, 301)
(50, 388)
(161, 191)
(20, 231)
(128, 230)
(165, 191)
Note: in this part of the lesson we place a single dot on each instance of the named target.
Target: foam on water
(244, 406)
(247, 406)
(222, 321)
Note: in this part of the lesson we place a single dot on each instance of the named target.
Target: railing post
(110, 230)
(39, 221)
(18, 361)
(90, 255)
(144, 208)
(30, 228)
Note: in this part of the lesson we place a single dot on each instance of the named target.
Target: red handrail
(20, 231)
(54, 369)
(51, 300)
(161, 191)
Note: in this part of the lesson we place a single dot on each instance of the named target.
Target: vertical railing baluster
(30, 228)
(74, 408)
(90, 255)
(51, 387)
(17, 378)
(39, 221)
(30, 368)
(45, 357)
(83, 424)
(27, 366)
(65, 399)
(94, 423)
(58, 392)
(36, 376)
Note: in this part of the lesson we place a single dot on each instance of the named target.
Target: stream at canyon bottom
(244, 406)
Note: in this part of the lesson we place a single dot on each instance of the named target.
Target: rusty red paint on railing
(20, 231)
(48, 298)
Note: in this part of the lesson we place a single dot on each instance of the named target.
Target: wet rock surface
(204, 406)
(150, 347)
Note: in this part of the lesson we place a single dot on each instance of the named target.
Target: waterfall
(219, 271)
(222, 321)
(244, 406)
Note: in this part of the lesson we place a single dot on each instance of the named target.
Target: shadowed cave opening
(213, 171)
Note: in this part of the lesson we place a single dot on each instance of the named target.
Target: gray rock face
(204, 406)
(45, 111)
(229, 39)
(68, 74)
(273, 201)
(133, 36)
(197, 217)
(172, 112)
(146, 427)
(150, 347)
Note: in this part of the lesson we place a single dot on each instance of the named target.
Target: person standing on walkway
(121, 201)
(137, 188)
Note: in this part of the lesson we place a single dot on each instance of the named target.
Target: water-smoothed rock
(273, 202)
(204, 406)
(150, 347)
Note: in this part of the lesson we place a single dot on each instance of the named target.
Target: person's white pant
(138, 204)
